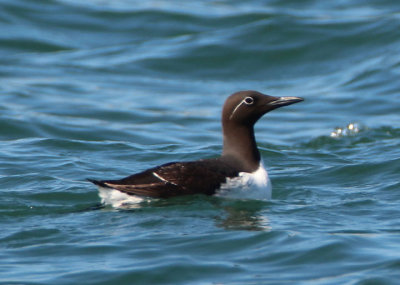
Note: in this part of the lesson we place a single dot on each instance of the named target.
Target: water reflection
(244, 215)
(232, 214)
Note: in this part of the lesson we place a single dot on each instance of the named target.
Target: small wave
(350, 130)
(353, 134)
(359, 130)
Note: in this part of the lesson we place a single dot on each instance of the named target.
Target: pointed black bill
(284, 101)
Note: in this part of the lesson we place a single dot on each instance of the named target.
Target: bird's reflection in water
(234, 214)
(244, 215)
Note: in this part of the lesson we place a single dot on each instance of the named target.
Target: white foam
(255, 185)
(118, 199)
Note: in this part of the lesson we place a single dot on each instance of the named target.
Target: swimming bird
(238, 173)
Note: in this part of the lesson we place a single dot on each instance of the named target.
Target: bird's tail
(97, 182)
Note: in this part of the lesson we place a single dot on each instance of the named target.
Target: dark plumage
(174, 179)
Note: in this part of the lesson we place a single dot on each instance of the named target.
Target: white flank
(118, 199)
(255, 185)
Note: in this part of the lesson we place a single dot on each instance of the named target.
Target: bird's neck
(240, 143)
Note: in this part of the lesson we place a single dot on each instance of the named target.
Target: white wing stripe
(162, 179)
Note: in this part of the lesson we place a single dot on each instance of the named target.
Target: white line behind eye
(237, 107)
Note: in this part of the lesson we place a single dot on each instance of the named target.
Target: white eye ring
(248, 100)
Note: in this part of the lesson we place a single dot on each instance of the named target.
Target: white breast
(255, 185)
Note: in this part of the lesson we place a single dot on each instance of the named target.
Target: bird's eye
(248, 100)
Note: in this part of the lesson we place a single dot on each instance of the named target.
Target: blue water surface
(104, 89)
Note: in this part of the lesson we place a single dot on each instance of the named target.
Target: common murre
(239, 172)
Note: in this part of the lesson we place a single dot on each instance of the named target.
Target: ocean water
(104, 89)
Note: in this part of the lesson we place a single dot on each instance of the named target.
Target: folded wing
(174, 179)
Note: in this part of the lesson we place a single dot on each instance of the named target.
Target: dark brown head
(246, 107)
